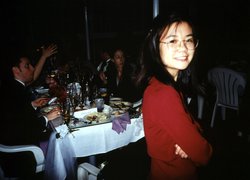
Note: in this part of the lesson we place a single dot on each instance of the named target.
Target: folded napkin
(62, 130)
(119, 123)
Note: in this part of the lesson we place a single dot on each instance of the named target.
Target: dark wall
(223, 26)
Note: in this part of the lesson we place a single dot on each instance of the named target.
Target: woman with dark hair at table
(120, 81)
(174, 140)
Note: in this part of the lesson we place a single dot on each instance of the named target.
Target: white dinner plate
(42, 91)
(115, 99)
(47, 109)
(83, 121)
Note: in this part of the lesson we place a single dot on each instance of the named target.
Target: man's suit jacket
(20, 123)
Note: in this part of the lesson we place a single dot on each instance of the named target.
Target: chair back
(87, 171)
(36, 151)
(229, 84)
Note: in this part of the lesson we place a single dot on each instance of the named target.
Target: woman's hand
(48, 51)
(180, 152)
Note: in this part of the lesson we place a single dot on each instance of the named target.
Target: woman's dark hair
(150, 63)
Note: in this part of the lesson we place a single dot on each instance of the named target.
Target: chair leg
(200, 102)
(213, 116)
(1, 173)
(223, 113)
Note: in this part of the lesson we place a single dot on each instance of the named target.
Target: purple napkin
(119, 123)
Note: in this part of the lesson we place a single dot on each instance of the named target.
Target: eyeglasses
(173, 44)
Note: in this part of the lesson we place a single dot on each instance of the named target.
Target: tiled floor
(230, 161)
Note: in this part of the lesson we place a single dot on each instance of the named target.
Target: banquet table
(86, 142)
(102, 138)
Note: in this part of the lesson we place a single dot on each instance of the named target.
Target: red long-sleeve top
(166, 123)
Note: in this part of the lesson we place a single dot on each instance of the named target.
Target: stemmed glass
(79, 97)
(72, 94)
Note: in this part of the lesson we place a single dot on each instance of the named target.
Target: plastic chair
(229, 86)
(200, 104)
(37, 152)
(87, 171)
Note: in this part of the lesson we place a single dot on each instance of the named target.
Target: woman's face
(177, 47)
(51, 82)
(119, 58)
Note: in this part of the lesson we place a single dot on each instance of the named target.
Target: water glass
(99, 102)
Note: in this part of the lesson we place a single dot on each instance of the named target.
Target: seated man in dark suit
(20, 123)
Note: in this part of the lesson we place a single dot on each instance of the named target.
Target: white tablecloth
(86, 141)
(102, 138)
(60, 159)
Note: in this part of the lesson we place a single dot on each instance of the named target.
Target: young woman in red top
(174, 140)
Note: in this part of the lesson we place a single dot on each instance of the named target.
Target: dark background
(223, 26)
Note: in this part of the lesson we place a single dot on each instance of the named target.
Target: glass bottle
(87, 95)
(67, 111)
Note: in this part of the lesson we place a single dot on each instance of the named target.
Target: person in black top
(120, 78)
